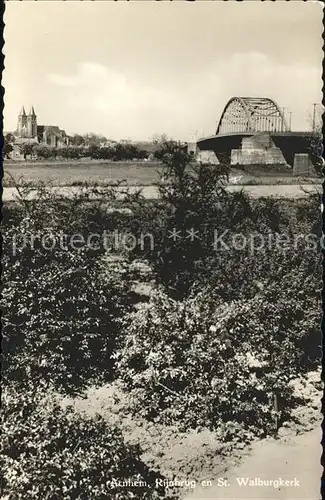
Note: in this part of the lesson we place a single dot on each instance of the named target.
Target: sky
(132, 70)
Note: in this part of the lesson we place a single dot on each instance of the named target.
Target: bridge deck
(288, 142)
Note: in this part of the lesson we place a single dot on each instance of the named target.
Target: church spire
(32, 111)
(22, 112)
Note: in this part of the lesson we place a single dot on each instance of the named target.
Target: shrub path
(293, 191)
(294, 453)
(198, 455)
(291, 457)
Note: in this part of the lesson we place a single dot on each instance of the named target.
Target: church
(28, 131)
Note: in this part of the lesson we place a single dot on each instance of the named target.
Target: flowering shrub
(62, 311)
(51, 452)
(202, 362)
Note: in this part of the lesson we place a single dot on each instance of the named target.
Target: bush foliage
(53, 452)
(204, 362)
(194, 209)
(62, 306)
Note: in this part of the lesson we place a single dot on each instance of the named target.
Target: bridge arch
(251, 114)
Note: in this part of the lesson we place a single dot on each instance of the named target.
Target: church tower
(22, 123)
(32, 123)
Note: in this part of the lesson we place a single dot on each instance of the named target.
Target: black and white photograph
(162, 250)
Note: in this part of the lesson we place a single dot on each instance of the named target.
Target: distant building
(27, 124)
(28, 131)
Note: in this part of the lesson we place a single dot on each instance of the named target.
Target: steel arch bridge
(251, 114)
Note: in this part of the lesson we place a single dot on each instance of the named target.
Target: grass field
(134, 174)
(77, 173)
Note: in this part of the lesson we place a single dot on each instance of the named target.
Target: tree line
(88, 146)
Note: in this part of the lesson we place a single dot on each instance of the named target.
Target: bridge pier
(257, 149)
(303, 165)
(224, 158)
